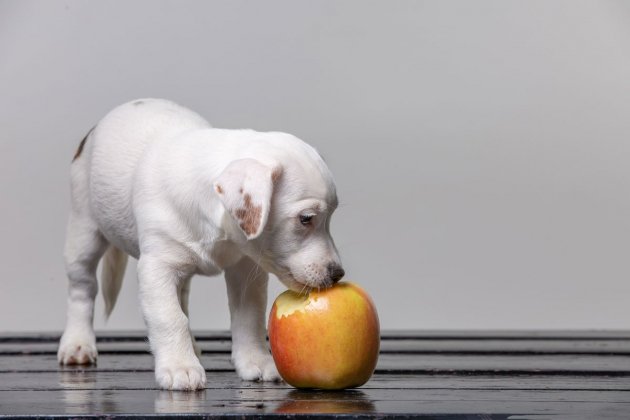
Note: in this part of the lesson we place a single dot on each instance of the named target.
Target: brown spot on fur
(249, 216)
(275, 174)
(219, 189)
(81, 145)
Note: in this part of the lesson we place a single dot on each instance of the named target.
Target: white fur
(157, 182)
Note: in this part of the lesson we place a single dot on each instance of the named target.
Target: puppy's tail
(112, 273)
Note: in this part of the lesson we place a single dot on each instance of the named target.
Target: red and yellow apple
(326, 339)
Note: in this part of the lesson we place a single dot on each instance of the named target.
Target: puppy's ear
(245, 187)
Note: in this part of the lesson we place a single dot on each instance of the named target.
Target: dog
(155, 181)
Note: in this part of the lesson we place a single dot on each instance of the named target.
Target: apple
(326, 339)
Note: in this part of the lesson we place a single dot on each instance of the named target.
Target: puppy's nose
(335, 272)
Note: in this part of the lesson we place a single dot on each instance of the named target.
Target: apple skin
(328, 339)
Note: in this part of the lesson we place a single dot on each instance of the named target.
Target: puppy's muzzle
(335, 273)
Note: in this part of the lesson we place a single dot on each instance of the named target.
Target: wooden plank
(401, 363)
(416, 346)
(566, 335)
(99, 380)
(107, 347)
(591, 404)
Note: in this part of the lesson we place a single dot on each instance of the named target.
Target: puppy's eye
(305, 219)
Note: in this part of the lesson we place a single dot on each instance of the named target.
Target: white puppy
(155, 181)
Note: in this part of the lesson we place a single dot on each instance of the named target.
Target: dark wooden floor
(460, 375)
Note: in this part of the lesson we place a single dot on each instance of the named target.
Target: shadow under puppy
(155, 181)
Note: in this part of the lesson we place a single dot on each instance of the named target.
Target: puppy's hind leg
(247, 296)
(84, 247)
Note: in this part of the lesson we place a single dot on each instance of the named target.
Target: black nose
(335, 272)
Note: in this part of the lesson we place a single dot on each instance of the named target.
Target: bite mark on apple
(289, 302)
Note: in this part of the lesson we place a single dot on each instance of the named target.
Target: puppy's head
(282, 209)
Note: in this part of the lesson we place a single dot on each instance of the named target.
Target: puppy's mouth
(294, 285)
(287, 278)
(301, 287)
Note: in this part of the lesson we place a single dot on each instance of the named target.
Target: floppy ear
(245, 187)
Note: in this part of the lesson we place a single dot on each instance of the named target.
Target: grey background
(481, 149)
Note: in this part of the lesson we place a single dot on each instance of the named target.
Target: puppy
(155, 181)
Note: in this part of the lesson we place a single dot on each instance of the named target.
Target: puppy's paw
(256, 366)
(77, 349)
(181, 376)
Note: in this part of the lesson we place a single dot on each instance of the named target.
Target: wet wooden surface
(459, 375)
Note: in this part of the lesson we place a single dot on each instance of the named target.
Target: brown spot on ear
(219, 189)
(249, 216)
(81, 145)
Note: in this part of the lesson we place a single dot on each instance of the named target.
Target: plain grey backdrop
(481, 148)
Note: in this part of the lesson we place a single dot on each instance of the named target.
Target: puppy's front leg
(247, 295)
(177, 366)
